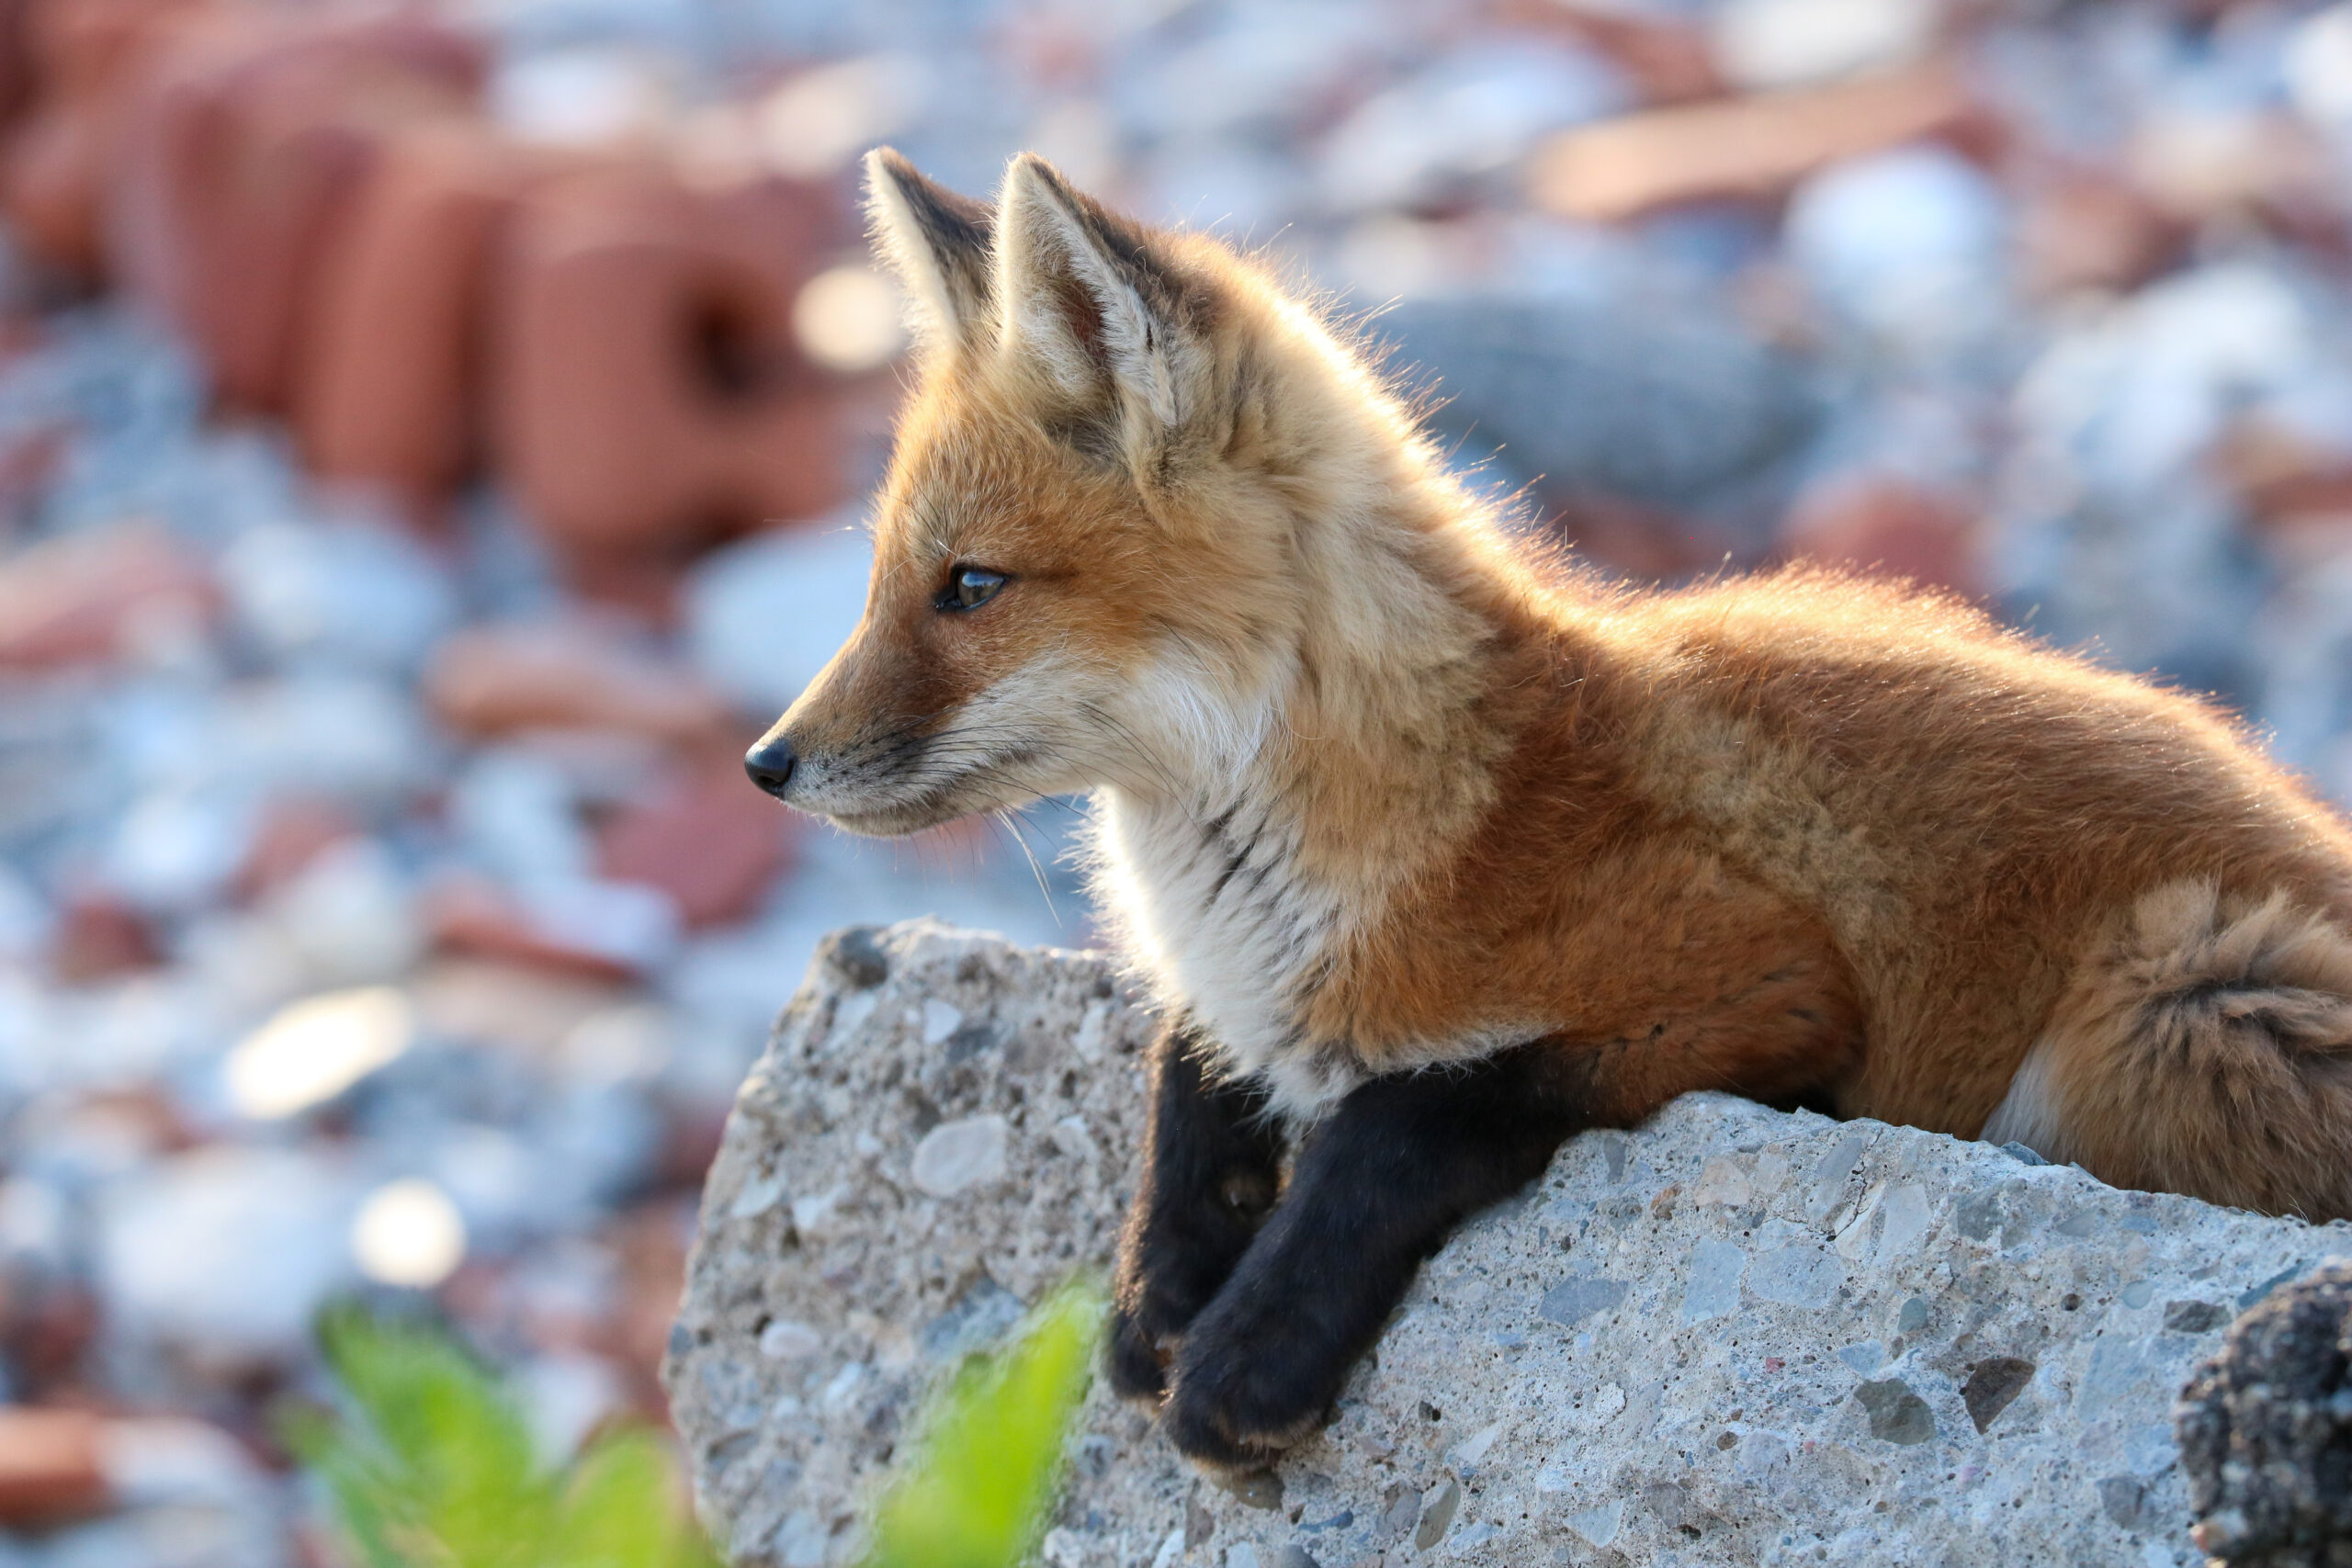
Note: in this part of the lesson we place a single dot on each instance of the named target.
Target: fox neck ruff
(1294, 819)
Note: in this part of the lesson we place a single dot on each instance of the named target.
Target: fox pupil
(971, 587)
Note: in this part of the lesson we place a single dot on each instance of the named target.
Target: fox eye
(969, 587)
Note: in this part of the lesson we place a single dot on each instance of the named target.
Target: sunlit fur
(1375, 792)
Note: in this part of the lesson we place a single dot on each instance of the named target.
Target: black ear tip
(1034, 170)
(1036, 166)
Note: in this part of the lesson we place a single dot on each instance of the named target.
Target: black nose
(770, 764)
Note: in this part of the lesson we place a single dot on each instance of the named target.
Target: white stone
(228, 1250)
(764, 616)
(839, 1392)
(349, 915)
(1088, 1040)
(1471, 1450)
(408, 1233)
(1907, 243)
(1598, 1527)
(784, 1340)
(1073, 1138)
(811, 1215)
(315, 1049)
(152, 1461)
(957, 1156)
(1786, 43)
(1724, 1181)
(353, 592)
(2319, 68)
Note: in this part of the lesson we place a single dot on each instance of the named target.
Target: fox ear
(1085, 299)
(937, 242)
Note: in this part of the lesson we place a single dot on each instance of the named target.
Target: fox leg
(2203, 1045)
(1377, 1187)
(1381, 1182)
(1212, 1165)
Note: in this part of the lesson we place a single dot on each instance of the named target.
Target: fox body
(1434, 852)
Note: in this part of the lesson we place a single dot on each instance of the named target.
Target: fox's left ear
(1086, 300)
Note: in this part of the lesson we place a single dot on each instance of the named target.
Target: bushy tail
(2204, 1046)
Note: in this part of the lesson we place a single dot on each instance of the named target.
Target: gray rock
(2265, 1432)
(1674, 411)
(1730, 1336)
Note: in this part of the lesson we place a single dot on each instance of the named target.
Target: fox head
(1129, 501)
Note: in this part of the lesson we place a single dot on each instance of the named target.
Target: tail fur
(2204, 1046)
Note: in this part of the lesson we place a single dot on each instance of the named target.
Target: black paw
(1239, 1396)
(1200, 1434)
(1169, 1271)
(1138, 1357)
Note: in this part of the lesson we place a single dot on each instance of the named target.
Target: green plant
(980, 1482)
(430, 1465)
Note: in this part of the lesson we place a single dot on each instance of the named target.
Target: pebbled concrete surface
(1729, 1336)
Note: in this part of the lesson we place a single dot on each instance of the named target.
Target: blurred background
(433, 442)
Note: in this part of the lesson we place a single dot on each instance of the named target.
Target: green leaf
(430, 1465)
(623, 1509)
(987, 1462)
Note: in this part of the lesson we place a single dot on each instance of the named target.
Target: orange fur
(1375, 792)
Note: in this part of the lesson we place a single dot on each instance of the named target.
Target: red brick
(705, 838)
(1667, 60)
(390, 392)
(247, 159)
(99, 938)
(2082, 228)
(19, 74)
(85, 598)
(1889, 526)
(292, 833)
(52, 1466)
(495, 679)
(87, 58)
(468, 915)
(647, 397)
(1758, 146)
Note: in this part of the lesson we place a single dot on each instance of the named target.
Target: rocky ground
(1730, 1336)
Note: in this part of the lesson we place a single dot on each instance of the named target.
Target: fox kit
(1434, 855)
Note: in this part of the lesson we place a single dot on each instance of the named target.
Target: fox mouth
(977, 785)
(892, 821)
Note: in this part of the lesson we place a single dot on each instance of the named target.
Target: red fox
(1434, 853)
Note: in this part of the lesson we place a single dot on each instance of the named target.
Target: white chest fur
(1213, 909)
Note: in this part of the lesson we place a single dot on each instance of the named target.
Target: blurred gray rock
(2112, 524)
(764, 615)
(225, 1252)
(1732, 1335)
(1464, 116)
(1908, 245)
(351, 592)
(1671, 411)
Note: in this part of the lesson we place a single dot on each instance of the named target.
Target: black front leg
(1211, 1164)
(1377, 1188)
